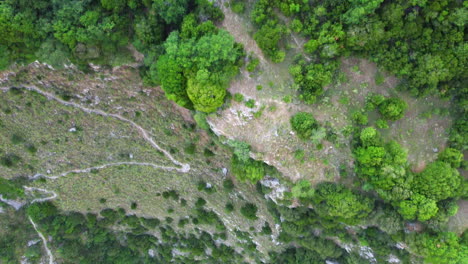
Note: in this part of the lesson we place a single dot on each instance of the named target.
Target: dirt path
(145, 134)
(106, 166)
(40, 200)
(44, 240)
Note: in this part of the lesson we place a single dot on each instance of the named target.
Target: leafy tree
(440, 174)
(418, 207)
(304, 124)
(171, 11)
(437, 248)
(303, 190)
(335, 201)
(251, 170)
(268, 38)
(241, 149)
(249, 210)
(393, 108)
(451, 156)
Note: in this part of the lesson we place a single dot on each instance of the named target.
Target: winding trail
(105, 166)
(40, 200)
(145, 134)
(44, 240)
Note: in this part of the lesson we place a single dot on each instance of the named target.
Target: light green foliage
(253, 63)
(441, 248)
(303, 190)
(241, 149)
(360, 9)
(438, 181)
(418, 207)
(251, 170)
(250, 103)
(451, 156)
(336, 201)
(204, 94)
(304, 125)
(268, 38)
(382, 124)
(393, 108)
(200, 119)
(197, 71)
(360, 118)
(238, 97)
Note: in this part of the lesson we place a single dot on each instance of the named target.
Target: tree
(418, 207)
(441, 248)
(267, 39)
(251, 170)
(335, 201)
(438, 181)
(205, 95)
(303, 124)
(171, 11)
(303, 190)
(451, 156)
(249, 210)
(393, 108)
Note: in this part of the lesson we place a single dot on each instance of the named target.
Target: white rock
(73, 129)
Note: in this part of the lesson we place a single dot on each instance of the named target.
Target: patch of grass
(287, 99)
(259, 87)
(190, 149)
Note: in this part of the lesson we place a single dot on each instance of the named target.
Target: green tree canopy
(438, 181)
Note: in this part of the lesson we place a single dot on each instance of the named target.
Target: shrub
(238, 97)
(250, 103)
(393, 108)
(249, 211)
(229, 207)
(200, 202)
(228, 185)
(303, 124)
(253, 63)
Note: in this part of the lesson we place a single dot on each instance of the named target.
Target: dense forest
(193, 60)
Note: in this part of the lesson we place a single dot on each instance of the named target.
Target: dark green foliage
(252, 65)
(40, 211)
(266, 229)
(133, 205)
(304, 124)
(228, 185)
(229, 207)
(11, 189)
(200, 202)
(10, 160)
(249, 210)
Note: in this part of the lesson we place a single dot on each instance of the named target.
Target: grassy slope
(101, 140)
